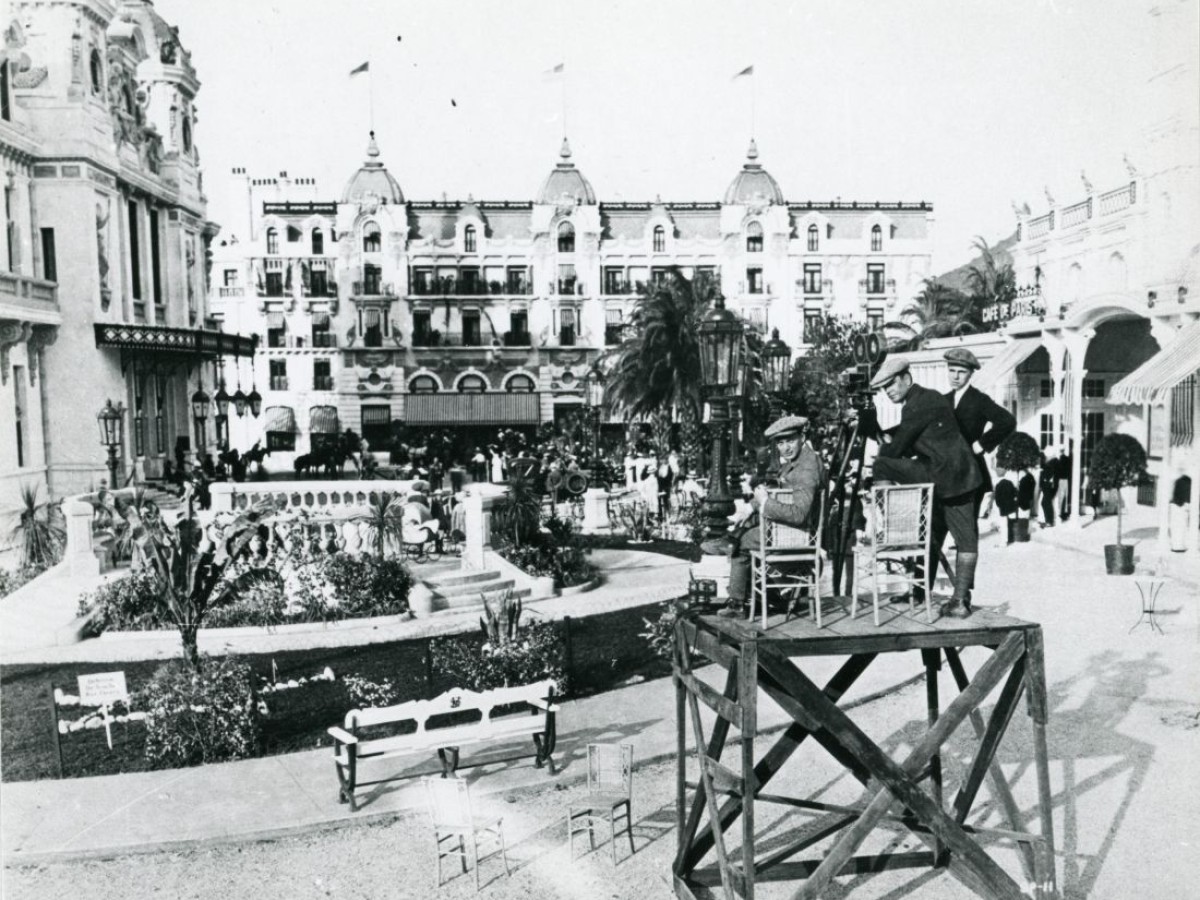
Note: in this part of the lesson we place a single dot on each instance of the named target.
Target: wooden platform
(903, 793)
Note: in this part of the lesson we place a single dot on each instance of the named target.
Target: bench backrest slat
(453, 700)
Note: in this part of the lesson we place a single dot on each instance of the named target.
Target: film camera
(869, 351)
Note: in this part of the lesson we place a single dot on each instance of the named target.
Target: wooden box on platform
(905, 794)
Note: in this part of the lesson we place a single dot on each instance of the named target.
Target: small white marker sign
(102, 688)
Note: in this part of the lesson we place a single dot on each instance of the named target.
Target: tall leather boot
(1012, 528)
(959, 606)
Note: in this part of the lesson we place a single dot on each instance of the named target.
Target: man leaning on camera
(927, 446)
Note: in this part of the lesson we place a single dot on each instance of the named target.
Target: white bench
(534, 716)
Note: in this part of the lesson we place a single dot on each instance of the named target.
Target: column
(1076, 343)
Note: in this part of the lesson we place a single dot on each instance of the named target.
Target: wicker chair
(609, 797)
(799, 550)
(454, 820)
(899, 528)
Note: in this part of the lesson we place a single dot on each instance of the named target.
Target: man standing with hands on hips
(927, 446)
(984, 423)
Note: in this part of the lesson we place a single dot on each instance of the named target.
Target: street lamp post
(720, 335)
(111, 420)
(593, 393)
(200, 401)
(777, 364)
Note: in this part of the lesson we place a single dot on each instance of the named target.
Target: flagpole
(371, 93)
(563, 90)
(753, 101)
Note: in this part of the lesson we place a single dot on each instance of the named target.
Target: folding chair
(609, 797)
(795, 547)
(900, 527)
(449, 804)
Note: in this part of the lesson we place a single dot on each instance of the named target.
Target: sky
(970, 105)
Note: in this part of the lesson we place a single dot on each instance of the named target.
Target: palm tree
(937, 311)
(39, 529)
(520, 512)
(384, 519)
(988, 281)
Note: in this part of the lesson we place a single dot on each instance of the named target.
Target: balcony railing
(1121, 198)
(322, 382)
(235, 290)
(1077, 214)
(371, 288)
(324, 339)
(567, 286)
(279, 383)
(518, 339)
(453, 287)
(450, 339)
(1041, 226)
(567, 337)
(619, 288)
(874, 286)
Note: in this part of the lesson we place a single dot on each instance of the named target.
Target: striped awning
(275, 320)
(491, 408)
(376, 415)
(320, 320)
(371, 318)
(280, 419)
(1152, 381)
(323, 420)
(997, 369)
(613, 316)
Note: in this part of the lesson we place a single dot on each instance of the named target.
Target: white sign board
(102, 688)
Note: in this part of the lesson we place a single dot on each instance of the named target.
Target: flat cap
(784, 426)
(960, 356)
(892, 366)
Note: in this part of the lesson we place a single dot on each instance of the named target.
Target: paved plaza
(1123, 732)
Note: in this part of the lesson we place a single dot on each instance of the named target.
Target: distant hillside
(957, 278)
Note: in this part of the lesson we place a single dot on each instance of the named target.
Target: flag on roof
(749, 70)
(363, 68)
(557, 70)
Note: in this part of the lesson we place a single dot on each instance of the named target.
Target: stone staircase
(462, 590)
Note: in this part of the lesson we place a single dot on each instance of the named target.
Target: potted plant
(1117, 462)
(1017, 453)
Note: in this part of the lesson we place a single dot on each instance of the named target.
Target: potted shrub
(1117, 462)
(1017, 453)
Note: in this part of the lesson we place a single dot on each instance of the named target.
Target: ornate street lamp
(777, 365)
(720, 335)
(593, 396)
(222, 400)
(200, 401)
(112, 419)
(239, 402)
(254, 398)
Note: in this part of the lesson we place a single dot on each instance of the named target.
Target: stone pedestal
(80, 555)
(595, 510)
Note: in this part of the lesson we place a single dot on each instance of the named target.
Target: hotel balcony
(322, 382)
(371, 288)
(453, 287)
(28, 298)
(279, 383)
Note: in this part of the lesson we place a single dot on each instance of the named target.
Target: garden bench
(455, 719)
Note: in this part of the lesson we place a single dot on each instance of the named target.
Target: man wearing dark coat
(927, 446)
(983, 422)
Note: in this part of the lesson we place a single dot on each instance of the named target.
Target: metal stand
(893, 792)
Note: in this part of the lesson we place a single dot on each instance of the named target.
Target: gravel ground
(396, 860)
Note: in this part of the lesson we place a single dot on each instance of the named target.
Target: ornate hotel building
(375, 309)
(103, 281)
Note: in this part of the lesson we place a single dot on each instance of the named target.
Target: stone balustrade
(1121, 198)
(1077, 214)
(1040, 226)
(333, 499)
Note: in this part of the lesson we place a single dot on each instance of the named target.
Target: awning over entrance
(492, 408)
(323, 420)
(997, 369)
(280, 418)
(1153, 380)
(154, 340)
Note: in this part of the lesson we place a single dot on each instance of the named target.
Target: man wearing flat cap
(801, 472)
(983, 422)
(927, 446)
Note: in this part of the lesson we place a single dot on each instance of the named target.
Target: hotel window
(875, 278)
(660, 239)
(372, 328)
(277, 369)
(18, 373)
(293, 234)
(422, 328)
(707, 273)
(274, 284)
(185, 131)
(272, 242)
(812, 278)
(471, 281)
(874, 321)
(135, 254)
(5, 101)
(614, 280)
(96, 66)
(318, 283)
(371, 279)
(372, 238)
(518, 280)
(814, 239)
(276, 330)
(659, 275)
(469, 239)
(754, 238)
(812, 326)
(1093, 389)
(614, 326)
(566, 279)
(1046, 429)
(322, 336)
(318, 242)
(322, 375)
(423, 384)
(566, 331)
(566, 238)
(754, 281)
(518, 323)
(155, 260)
(49, 258)
(472, 384)
(422, 281)
(472, 335)
(520, 384)
(377, 426)
(1046, 389)
(876, 238)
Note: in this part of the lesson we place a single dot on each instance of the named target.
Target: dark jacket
(803, 476)
(975, 412)
(929, 431)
